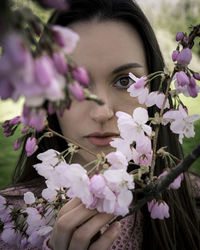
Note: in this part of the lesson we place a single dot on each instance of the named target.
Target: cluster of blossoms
(109, 191)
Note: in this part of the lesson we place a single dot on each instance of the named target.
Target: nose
(102, 113)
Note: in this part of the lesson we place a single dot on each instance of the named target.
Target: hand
(76, 225)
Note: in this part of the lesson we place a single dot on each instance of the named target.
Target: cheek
(126, 103)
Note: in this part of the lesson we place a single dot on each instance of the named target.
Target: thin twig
(70, 140)
(155, 139)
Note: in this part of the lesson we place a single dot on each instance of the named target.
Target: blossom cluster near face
(108, 191)
(46, 77)
(134, 130)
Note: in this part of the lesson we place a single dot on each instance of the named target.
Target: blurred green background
(167, 17)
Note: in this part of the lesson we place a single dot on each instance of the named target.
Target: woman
(115, 39)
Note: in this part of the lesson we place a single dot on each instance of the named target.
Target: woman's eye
(124, 82)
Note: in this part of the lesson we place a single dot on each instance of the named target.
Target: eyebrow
(125, 67)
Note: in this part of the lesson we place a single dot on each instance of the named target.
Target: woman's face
(108, 50)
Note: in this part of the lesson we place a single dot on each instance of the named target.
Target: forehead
(106, 43)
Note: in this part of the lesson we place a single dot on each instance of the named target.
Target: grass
(8, 157)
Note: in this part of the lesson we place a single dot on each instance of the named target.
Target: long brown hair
(181, 230)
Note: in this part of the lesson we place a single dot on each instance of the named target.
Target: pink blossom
(34, 220)
(65, 38)
(158, 209)
(43, 70)
(38, 120)
(15, 120)
(76, 90)
(156, 98)
(10, 236)
(6, 89)
(117, 160)
(29, 198)
(37, 237)
(132, 128)
(179, 36)
(17, 144)
(15, 49)
(196, 76)
(123, 146)
(81, 75)
(184, 57)
(176, 183)
(175, 55)
(181, 122)
(139, 82)
(97, 185)
(182, 78)
(31, 146)
(78, 183)
(60, 62)
(137, 89)
(192, 87)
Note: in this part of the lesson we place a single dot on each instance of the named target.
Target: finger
(68, 223)
(82, 236)
(107, 238)
(69, 206)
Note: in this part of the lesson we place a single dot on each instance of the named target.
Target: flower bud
(17, 145)
(182, 78)
(179, 36)
(174, 55)
(196, 76)
(60, 62)
(184, 57)
(192, 82)
(43, 70)
(81, 75)
(192, 88)
(77, 91)
(15, 120)
(193, 92)
(31, 146)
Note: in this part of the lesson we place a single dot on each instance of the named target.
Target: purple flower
(196, 76)
(77, 91)
(38, 120)
(158, 209)
(43, 69)
(192, 88)
(17, 145)
(65, 38)
(15, 120)
(31, 146)
(60, 62)
(179, 36)
(6, 89)
(182, 78)
(15, 49)
(184, 57)
(174, 55)
(81, 75)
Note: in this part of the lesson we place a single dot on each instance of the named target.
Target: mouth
(101, 139)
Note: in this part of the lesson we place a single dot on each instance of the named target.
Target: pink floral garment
(130, 236)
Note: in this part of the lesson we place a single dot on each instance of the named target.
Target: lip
(101, 139)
